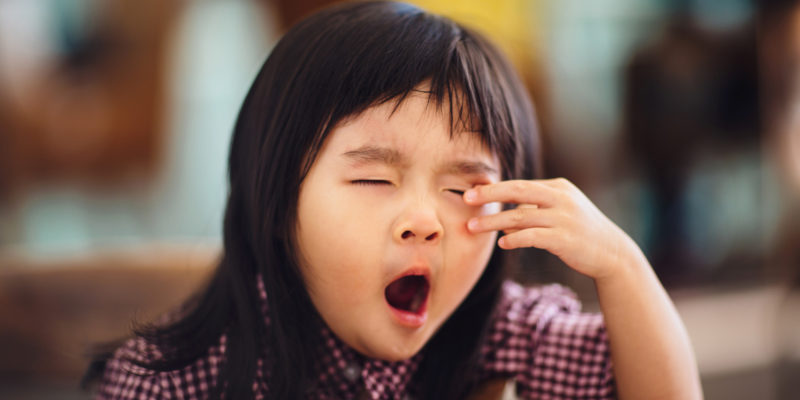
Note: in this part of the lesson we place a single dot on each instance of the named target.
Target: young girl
(374, 160)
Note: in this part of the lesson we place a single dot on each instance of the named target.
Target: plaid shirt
(539, 339)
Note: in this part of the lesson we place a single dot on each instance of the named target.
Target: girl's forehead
(414, 122)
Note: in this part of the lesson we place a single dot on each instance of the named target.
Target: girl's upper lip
(416, 269)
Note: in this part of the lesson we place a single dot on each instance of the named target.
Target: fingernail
(473, 224)
(470, 195)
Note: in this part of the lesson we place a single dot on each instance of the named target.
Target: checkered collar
(344, 373)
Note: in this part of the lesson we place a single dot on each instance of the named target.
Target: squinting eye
(370, 182)
(456, 191)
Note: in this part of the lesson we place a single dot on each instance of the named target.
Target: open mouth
(409, 293)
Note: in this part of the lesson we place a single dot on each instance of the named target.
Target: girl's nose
(420, 226)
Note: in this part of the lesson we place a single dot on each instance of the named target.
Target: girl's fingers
(515, 192)
(559, 183)
(541, 238)
(524, 216)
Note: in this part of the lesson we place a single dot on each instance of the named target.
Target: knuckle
(570, 204)
(570, 239)
(563, 182)
(519, 186)
(563, 198)
(571, 188)
(566, 185)
(518, 216)
(563, 217)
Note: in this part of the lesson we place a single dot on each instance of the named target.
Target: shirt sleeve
(550, 348)
(123, 379)
(571, 360)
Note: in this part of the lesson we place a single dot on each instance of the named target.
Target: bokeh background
(680, 119)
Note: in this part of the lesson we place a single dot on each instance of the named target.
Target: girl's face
(385, 252)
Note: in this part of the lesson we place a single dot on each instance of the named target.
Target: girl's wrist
(626, 260)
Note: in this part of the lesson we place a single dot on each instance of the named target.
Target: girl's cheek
(457, 217)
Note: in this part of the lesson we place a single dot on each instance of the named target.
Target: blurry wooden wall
(95, 114)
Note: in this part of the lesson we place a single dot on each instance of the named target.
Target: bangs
(449, 99)
(386, 53)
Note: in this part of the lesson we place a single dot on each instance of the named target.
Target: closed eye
(370, 182)
(456, 191)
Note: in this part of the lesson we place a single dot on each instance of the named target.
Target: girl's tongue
(407, 293)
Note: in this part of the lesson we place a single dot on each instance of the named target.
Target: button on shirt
(539, 338)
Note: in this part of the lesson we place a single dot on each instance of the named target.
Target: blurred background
(680, 119)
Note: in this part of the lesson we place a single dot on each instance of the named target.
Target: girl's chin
(395, 355)
(400, 350)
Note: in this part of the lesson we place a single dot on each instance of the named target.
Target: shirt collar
(343, 371)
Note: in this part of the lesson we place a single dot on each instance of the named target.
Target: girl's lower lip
(409, 319)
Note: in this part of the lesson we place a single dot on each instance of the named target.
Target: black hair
(331, 66)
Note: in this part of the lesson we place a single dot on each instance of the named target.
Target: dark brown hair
(331, 66)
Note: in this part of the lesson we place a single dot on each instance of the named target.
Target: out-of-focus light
(722, 15)
(791, 147)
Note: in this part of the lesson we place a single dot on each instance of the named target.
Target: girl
(368, 167)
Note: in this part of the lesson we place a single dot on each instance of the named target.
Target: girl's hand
(556, 216)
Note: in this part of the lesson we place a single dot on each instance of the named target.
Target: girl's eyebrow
(470, 168)
(392, 157)
(373, 154)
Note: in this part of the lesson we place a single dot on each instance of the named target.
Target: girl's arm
(652, 356)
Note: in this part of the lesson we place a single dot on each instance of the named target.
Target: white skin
(352, 244)
(383, 196)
